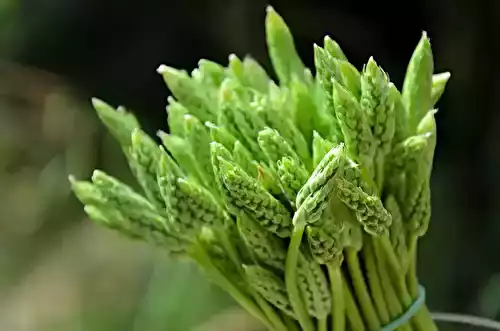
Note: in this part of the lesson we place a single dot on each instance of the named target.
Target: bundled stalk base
(304, 200)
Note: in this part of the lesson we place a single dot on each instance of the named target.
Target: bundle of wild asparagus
(303, 200)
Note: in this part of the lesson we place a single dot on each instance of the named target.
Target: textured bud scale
(275, 146)
(418, 210)
(325, 239)
(246, 194)
(376, 101)
(369, 209)
(145, 155)
(327, 168)
(189, 205)
(314, 288)
(354, 123)
(267, 247)
(270, 286)
(293, 175)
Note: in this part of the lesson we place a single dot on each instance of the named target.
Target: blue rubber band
(409, 313)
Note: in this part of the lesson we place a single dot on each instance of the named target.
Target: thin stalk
(199, 254)
(391, 298)
(361, 290)
(411, 276)
(354, 317)
(389, 253)
(374, 283)
(422, 320)
(291, 279)
(338, 304)
(270, 312)
(323, 324)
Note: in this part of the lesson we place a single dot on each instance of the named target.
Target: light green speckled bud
(400, 115)
(119, 122)
(325, 239)
(275, 146)
(355, 126)
(181, 150)
(351, 78)
(245, 194)
(86, 192)
(266, 247)
(284, 57)
(326, 69)
(120, 196)
(417, 86)
(161, 236)
(243, 157)
(333, 48)
(418, 210)
(293, 175)
(211, 73)
(314, 287)
(145, 158)
(189, 92)
(271, 287)
(199, 139)
(376, 101)
(246, 124)
(255, 76)
(326, 169)
(221, 135)
(278, 119)
(176, 112)
(320, 148)
(189, 205)
(369, 210)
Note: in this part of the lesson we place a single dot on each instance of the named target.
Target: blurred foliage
(58, 272)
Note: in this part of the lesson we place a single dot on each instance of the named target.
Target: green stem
(390, 254)
(323, 324)
(391, 298)
(291, 279)
(355, 321)
(411, 276)
(199, 254)
(422, 319)
(361, 290)
(338, 304)
(374, 282)
(270, 312)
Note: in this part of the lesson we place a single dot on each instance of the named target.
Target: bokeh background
(60, 272)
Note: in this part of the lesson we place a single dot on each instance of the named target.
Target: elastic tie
(412, 311)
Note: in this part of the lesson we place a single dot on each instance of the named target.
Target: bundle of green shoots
(303, 200)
